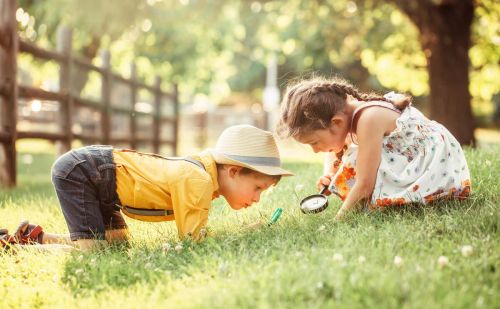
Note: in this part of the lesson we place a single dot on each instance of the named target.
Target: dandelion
(337, 257)
(443, 261)
(467, 250)
(321, 228)
(178, 248)
(398, 261)
(361, 259)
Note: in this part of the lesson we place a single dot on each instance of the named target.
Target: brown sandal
(29, 234)
(6, 240)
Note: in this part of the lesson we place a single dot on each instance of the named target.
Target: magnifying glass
(314, 203)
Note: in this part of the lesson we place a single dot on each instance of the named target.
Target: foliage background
(221, 47)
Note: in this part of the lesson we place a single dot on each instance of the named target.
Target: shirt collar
(211, 168)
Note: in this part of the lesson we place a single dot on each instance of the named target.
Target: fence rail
(69, 103)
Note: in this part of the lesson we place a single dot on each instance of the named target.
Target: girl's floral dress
(421, 162)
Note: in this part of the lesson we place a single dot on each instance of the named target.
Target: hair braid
(310, 104)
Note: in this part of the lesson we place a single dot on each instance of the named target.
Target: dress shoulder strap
(374, 103)
(357, 111)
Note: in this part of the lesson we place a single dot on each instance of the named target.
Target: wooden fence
(11, 93)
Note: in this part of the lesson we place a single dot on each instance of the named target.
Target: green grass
(296, 263)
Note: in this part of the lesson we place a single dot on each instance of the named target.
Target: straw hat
(251, 147)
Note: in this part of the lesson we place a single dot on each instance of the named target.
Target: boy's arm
(191, 200)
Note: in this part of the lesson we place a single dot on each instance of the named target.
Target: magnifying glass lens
(314, 203)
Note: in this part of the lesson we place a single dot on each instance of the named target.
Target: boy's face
(242, 190)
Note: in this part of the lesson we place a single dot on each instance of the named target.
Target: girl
(387, 151)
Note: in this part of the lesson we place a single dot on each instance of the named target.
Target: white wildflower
(467, 250)
(337, 257)
(322, 228)
(78, 271)
(166, 247)
(178, 248)
(443, 261)
(361, 259)
(27, 159)
(203, 233)
(398, 261)
(223, 267)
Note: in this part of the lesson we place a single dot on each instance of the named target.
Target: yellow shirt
(148, 181)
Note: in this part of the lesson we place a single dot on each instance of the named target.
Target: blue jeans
(85, 184)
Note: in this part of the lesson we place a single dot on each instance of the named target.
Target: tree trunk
(445, 31)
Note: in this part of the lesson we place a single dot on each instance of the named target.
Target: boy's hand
(323, 181)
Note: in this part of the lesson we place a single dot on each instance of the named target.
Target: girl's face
(242, 190)
(331, 139)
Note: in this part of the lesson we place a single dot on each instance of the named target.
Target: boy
(96, 184)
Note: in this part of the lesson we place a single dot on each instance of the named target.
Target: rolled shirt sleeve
(191, 200)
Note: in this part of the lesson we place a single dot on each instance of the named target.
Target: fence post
(157, 115)
(175, 94)
(9, 45)
(133, 100)
(64, 42)
(106, 97)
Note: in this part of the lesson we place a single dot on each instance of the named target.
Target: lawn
(381, 260)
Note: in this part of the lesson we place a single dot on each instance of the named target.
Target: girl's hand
(323, 181)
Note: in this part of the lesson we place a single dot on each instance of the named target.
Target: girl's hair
(311, 104)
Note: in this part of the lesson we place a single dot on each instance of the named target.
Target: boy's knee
(65, 165)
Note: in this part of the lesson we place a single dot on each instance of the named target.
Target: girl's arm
(373, 123)
(328, 167)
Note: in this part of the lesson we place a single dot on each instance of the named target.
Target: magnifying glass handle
(323, 189)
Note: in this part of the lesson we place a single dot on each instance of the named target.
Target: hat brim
(264, 169)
